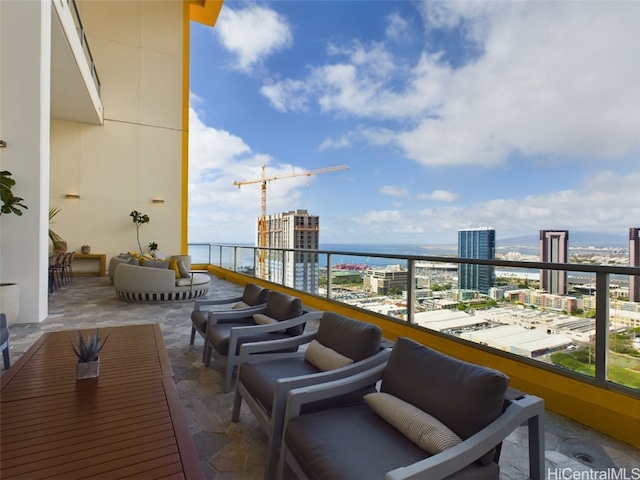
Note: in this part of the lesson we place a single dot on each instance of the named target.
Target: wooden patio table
(127, 423)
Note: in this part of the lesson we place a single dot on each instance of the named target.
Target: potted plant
(88, 365)
(10, 203)
(59, 245)
(139, 219)
(153, 246)
(9, 292)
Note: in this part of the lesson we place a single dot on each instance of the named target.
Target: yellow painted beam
(205, 11)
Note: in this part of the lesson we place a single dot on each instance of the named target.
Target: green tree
(139, 219)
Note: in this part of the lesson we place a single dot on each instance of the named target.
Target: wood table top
(127, 423)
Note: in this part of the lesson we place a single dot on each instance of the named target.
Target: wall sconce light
(3, 143)
(73, 196)
(157, 200)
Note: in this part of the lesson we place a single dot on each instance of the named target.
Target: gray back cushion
(284, 307)
(254, 294)
(463, 396)
(349, 337)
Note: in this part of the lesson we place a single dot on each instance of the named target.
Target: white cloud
(252, 33)
(608, 202)
(396, 26)
(220, 211)
(393, 191)
(553, 79)
(439, 196)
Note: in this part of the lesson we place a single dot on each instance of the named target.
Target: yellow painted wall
(138, 154)
(606, 411)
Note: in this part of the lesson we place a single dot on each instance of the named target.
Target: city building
(554, 248)
(293, 229)
(634, 261)
(384, 281)
(477, 243)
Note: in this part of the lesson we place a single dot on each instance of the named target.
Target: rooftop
(231, 450)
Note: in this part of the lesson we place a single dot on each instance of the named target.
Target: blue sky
(516, 115)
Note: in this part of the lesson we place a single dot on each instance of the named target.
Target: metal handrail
(602, 281)
(84, 43)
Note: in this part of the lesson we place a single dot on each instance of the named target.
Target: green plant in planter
(10, 203)
(88, 350)
(153, 246)
(59, 245)
(139, 219)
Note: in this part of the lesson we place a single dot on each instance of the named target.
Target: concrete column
(25, 84)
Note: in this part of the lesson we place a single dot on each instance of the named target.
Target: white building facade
(293, 229)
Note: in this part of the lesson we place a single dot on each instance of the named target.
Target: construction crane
(262, 221)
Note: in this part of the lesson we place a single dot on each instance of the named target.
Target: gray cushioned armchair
(227, 331)
(264, 379)
(357, 442)
(253, 296)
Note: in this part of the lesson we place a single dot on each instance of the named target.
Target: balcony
(237, 449)
(75, 85)
(605, 394)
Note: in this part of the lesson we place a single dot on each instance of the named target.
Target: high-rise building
(477, 243)
(554, 248)
(294, 229)
(634, 261)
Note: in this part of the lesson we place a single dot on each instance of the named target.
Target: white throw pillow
(262, 319)
(418, 426)
(325, 358)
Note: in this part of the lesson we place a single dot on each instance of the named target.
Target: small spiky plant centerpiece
(87, 352)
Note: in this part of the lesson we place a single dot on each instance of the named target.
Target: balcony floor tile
(231, 450)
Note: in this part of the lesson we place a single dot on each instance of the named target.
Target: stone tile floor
(230, 451)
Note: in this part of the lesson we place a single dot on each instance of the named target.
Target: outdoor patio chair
(4, 341)
(283, 316)
(434, 417)
(253, 296)
(340, 347)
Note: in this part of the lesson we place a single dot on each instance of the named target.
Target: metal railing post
(602, 328)
(411, 290)
(329, 276)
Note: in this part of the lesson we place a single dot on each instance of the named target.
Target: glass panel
(624, 334)
(200, 253)
(513, 314)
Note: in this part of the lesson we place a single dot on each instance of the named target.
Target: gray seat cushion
(252, 295)
(463, 396)
(260, 377)
(219, 335)
(200, 318)
(354, 443)
(349, 337)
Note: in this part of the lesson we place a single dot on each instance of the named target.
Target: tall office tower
(554, 248)
(295, 229)
(634, 261)
(477, 243)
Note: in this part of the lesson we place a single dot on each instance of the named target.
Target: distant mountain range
(576, 239)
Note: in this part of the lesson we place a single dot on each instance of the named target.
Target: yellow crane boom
(262, 222)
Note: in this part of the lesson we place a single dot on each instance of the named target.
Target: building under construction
(294, 229)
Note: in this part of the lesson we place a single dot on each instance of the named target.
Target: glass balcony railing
(73, 8)
(591, 333)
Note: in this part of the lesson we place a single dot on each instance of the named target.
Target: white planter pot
(10, 301)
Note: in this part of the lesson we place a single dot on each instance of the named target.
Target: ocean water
(245, 254)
